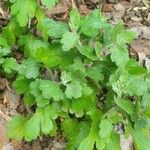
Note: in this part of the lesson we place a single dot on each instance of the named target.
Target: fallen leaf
(108, 7)
(141, 45)
(119, 12)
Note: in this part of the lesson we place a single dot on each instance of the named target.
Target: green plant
(79, 73)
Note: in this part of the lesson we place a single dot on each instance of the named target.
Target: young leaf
(69, 40)
(3, 43)
(54, 28)
(93, 137)
(51, 89)
(16, 127)
(82, 104)
(75, 19)
(76, 132)
(95, 74)
(65, 77)
(142, 141)
(32, 128)
(126, 105)
(120, 56)
(4, 47)
(23, 10)
(106, 129)
(31, 44)
(136, 85)
(93, 23)
(41, 101)
(134, 68)
(34, 86)
(10, 65)
(29, 99)
(21, 84)
(73, 90)
(49, 57)
(29, 68)
(45, 120)
(11, 31)
(114, 143)
(87, 51)
(37, 93)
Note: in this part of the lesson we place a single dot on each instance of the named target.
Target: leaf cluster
(79, 71)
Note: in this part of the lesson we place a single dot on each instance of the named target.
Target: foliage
(79, 73)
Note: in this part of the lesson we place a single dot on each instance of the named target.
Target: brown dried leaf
(141, 45)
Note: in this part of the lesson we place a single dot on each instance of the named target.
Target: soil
(136, 16)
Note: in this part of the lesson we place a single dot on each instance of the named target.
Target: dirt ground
(136, 16)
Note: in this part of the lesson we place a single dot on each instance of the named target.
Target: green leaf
(29, 99)
(81, 105)
(114, 143)
(69, 40)
(11, 31)
(73, 90)
(75, 132)
(65, 77)
(136, 85)
(134, 68)
(92, 23)
(93, 137)
(51, 89)
(40, 15)
(87, 51)
(2, 60)
(142, 142)
(48, 57)
(75, 19)
(125, 37)
(23, 12)
(69, 126)
(55, 28)
(115, 31)
(87, 143)
(41, 101)
(106, 129)
(37, 93)
(21, 84)
(95, 73)
(4, 47)
(9, 34)
(32, 128)
(34, 86)
(29, 68)
(3, 42)
(46, 123)
(120, 56)
(87, 90)
(10, 65)
(16, 127)
(77, 66)
(31, 44)
(29, 128)
(126, 105)
(49, 3)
